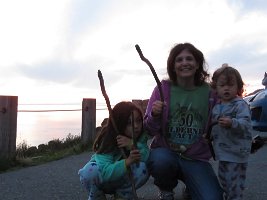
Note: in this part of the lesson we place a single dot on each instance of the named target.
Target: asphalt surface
(59, 180)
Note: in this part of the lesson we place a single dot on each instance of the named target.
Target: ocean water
(56, 122)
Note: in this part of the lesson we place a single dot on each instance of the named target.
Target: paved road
(58, 180)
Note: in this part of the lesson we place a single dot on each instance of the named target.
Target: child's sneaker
(117, 197)
(166, 195)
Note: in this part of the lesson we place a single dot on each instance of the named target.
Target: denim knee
(163, 167)
(161, 160)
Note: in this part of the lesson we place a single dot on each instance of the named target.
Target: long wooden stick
(143, 58)
(102, 85)
(208, 137)
(133, 134)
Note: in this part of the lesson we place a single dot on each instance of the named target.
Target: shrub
(55, 145)
(7, 163)
(31, 151)
(21, 149)
(54, 150)
(71, 140)
(42, 148)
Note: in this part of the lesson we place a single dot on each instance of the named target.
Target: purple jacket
(199, 150)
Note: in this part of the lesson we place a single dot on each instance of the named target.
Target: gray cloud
(247, 6)
(245, 57)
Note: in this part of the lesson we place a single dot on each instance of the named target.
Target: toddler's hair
(229, 72)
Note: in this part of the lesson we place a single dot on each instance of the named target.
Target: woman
(178, 149)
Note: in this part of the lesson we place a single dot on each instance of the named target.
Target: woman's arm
(152, 124)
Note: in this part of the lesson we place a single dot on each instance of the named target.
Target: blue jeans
(167, 167)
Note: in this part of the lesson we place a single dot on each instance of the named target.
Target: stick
(143, 58)
(133, 134)
(208, 137)
(152, 70)
(102, 85)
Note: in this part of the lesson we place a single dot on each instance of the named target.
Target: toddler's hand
(225, 122)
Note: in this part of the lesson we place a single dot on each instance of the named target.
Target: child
(232, 134)
(107, 172)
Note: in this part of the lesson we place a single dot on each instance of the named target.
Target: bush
(71, 140)
(21, 149)
(42, 148)
(31, 151)
(55, 145)
(54, 150)
(7, 163)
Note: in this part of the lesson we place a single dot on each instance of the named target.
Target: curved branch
(143, 58)
(102, 85)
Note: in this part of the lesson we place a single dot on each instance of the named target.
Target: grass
(54, 150)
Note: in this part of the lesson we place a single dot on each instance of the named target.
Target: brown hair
(229, 72)
(201, 74)
(105, 141)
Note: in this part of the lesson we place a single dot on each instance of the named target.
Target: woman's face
(185, 65)
(134, 125)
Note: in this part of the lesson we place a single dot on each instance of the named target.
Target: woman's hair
(201, 74)
(105, 141)
(229, 72)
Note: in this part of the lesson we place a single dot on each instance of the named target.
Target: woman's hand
(124, 141)
(157, 108)
(134, 157)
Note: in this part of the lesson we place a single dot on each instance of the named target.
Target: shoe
(166, 195)
(186, 194)
(117, 197)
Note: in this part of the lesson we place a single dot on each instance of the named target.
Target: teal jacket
(112, 166)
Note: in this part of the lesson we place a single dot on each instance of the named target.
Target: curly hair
(229, 72)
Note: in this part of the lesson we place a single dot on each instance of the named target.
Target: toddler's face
(134, 126)
(226, 88)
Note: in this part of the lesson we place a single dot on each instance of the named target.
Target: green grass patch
(55, 150)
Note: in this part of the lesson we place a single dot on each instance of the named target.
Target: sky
(50, 51)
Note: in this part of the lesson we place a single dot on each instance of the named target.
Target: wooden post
(88, 121)
(8, 125)
(142, 104)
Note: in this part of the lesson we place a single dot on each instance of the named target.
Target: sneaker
(166, 195)
(186, 194)
(117, 197)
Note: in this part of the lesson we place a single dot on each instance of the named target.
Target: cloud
(248, 6)
(54, 48)
(30, 30)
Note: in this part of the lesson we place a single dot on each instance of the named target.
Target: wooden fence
(8, 122)
(8, 125)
